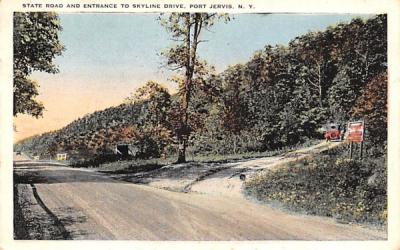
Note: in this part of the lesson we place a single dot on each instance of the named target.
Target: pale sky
(109, 55)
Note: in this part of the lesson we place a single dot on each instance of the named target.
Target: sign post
(351, 150)
(355, 134)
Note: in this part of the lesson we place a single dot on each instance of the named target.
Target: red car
(333, 132)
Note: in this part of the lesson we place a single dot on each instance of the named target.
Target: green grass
(142, 163)
(329, 184)
(135, 164)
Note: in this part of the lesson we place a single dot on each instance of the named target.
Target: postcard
(216, 124)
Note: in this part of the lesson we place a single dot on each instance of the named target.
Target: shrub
(329, 184)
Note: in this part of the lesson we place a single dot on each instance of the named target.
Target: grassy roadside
(151, 164)
(20, 230)
(328, 184)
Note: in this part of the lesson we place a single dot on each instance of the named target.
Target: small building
(61, 157)
(125, 150)
(122, 150)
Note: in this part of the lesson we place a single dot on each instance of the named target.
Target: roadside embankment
(327, 184)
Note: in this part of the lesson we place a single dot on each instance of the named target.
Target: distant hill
(92, 134)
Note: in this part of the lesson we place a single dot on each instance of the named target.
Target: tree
(358, 62)
(154, 128)
(234, 106)
(36, 44)
(367, 56)
(156, 102)
(185, 30)
(313, 54)
(342, 96)
(372, 106)
(270, 77)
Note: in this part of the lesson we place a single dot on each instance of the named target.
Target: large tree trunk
(190, 64)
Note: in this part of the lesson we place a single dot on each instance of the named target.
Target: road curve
(82, 204)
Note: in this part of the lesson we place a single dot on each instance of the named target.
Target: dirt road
(57, 202)
(221, 179)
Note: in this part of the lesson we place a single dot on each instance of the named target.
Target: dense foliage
(280, 97)
(284, 94)
(36, 44)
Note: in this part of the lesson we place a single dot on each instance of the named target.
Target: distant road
(59, 202)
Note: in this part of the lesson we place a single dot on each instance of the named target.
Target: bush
(329, 184)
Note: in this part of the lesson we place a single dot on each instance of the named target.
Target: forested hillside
(280, 97)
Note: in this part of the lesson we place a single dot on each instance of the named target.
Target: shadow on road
(34, 164)
(26, 174)
(70, 216)
(33, 220)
